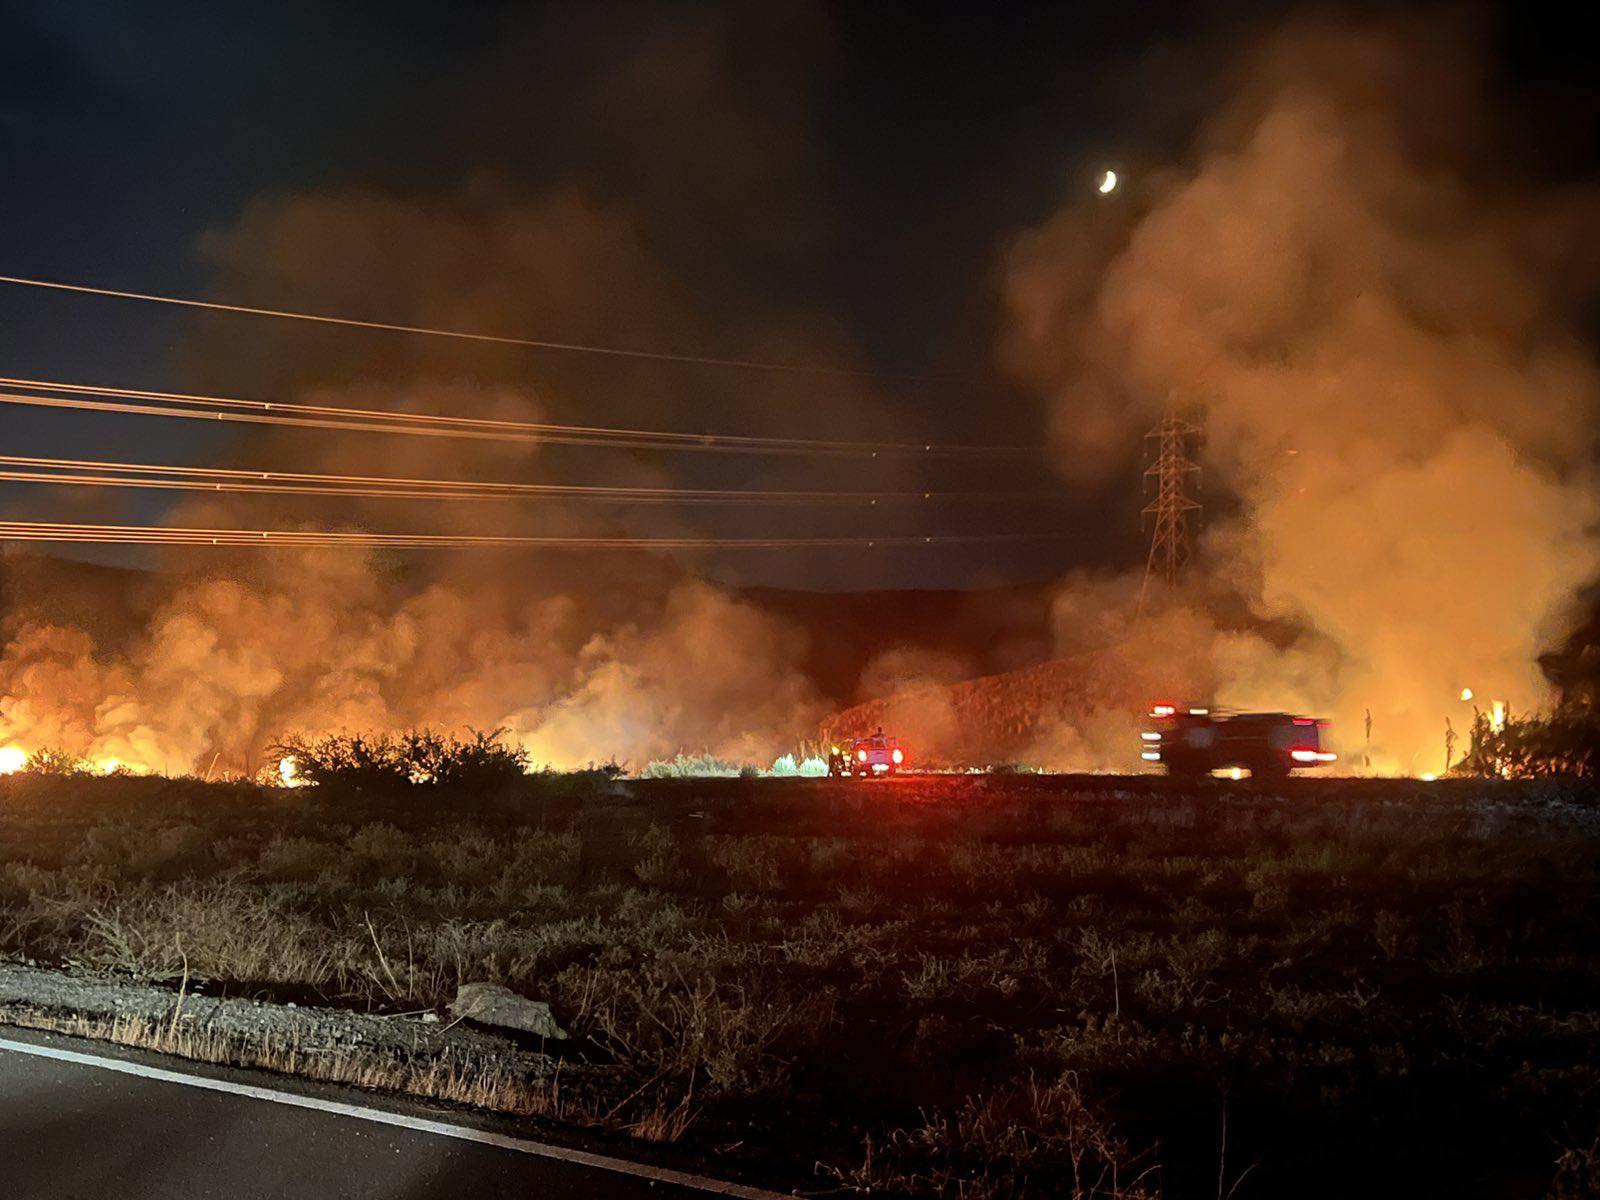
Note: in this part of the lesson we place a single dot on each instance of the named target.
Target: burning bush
(54, 761)
(421, 758)
(1566, 742)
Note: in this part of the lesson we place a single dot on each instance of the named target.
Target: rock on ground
(492, 1004)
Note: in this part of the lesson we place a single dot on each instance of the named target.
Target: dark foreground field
(973, 987)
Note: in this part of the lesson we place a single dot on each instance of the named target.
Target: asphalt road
(72, 1130)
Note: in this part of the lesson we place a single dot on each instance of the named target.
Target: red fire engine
(1197, 741)
(867, 757)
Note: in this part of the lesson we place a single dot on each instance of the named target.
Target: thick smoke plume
(1377, 324)
(582, 657)
(222, 666)
(1347, 281)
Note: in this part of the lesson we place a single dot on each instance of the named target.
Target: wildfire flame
(12, 759)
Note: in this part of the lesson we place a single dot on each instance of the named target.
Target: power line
(18, 468)
(161, 535)
(464, 335)
(141, 402)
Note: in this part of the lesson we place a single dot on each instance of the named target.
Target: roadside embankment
(413, 1054)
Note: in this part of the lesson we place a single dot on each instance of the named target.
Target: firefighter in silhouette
(838, 761)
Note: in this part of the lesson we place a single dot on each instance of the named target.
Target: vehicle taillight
(898, 756)
(862, 755)
(1163, 710)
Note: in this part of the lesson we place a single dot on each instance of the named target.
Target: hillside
(1079, 714)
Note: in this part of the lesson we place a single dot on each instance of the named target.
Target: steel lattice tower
(1169, 543)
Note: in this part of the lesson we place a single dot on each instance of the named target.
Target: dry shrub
(481, 762)
(296, 858)
(828, 858)
(144, 852)
(382, 843)
(223, 931)
(539, 857)
(753, 864)
(54, 761)
(659, 862)
(1024, 1139)
(738, 1038)
(465, 857)
(969, 975)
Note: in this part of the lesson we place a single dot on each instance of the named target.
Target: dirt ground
(973, 986)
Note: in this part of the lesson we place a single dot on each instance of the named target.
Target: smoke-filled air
(1373, 322)
(1340, 280)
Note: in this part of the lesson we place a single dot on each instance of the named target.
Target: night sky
(852, 170)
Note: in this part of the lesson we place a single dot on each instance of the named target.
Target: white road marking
(582, 1158)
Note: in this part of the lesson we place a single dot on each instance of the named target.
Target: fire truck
(1197, 741)
(867, 757)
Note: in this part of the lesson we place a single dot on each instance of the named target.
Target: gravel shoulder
(43, 997)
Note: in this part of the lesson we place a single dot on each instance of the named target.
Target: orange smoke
(1393, 386)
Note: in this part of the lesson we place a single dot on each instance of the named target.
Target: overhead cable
(19, 468)
(700, 360)
(141, 402)
(73, 532)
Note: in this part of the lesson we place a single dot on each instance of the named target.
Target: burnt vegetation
(955, 987)
(1563, 743)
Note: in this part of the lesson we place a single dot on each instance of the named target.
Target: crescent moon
(1109, 183)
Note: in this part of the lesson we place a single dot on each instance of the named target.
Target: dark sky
(863, 164)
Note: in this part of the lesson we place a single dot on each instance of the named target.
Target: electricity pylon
(1169, 543)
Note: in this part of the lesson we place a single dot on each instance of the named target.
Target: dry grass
(1024, 1139)
(977, 983)
(455, 1079)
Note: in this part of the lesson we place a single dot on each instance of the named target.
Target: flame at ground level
(68, 711)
